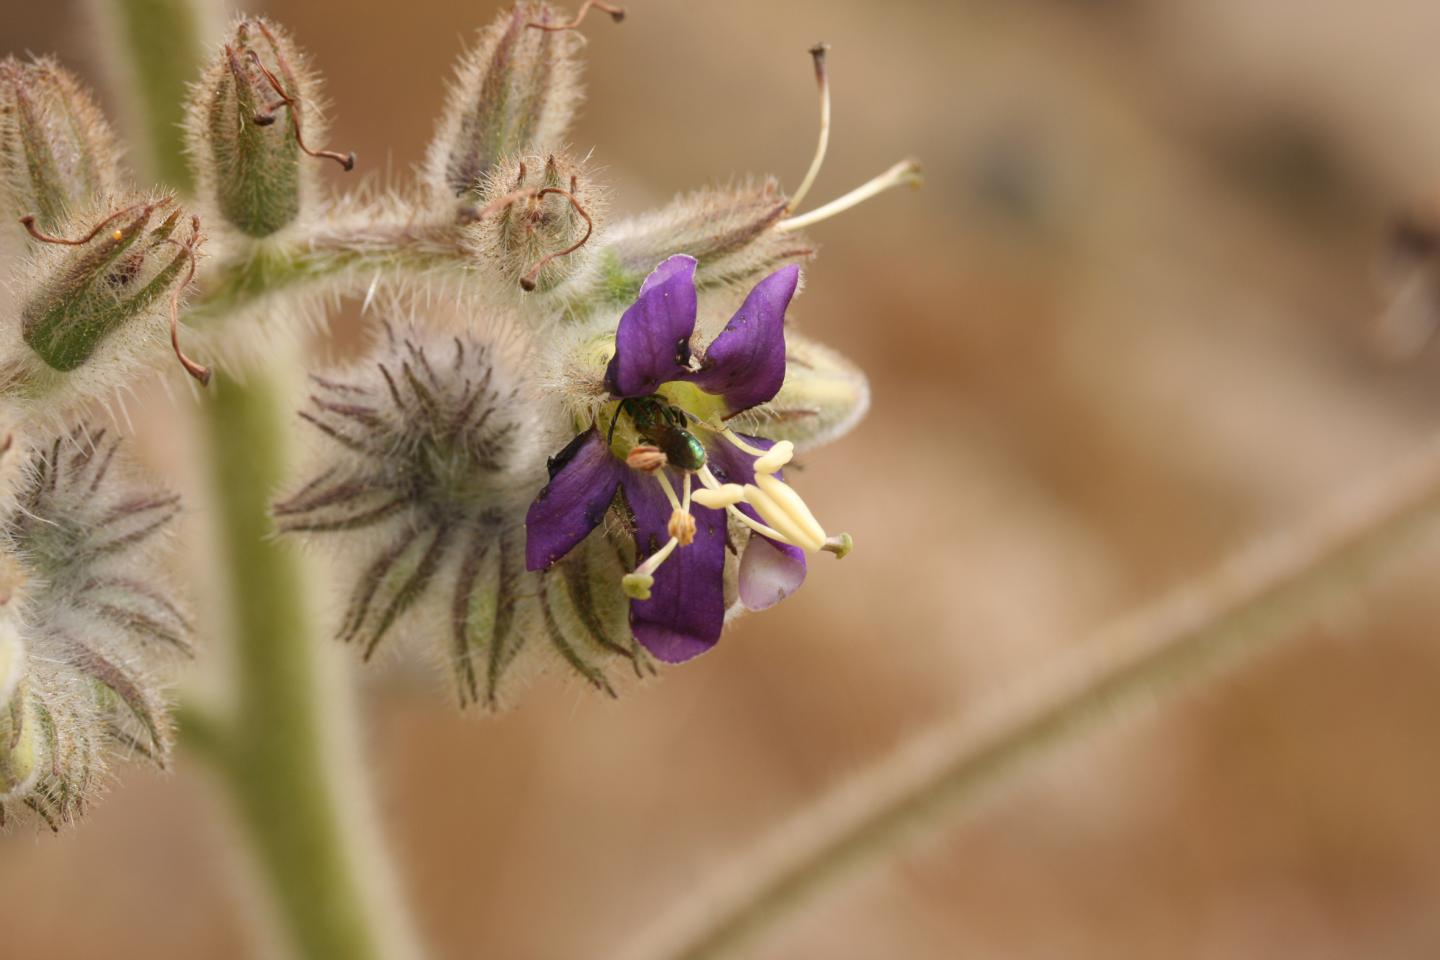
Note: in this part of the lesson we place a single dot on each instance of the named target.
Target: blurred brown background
(1127, 326)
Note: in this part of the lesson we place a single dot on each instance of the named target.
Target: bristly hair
(95, 613)
(515, 91)
(427, 454)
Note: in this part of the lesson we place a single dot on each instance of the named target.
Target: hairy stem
(1260, 597)
(297, 786)
(327, 255)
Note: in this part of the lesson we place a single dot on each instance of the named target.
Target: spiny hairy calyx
(249, 120)
(535, 220)
(85, 602)
(426, 455)
(515, 92)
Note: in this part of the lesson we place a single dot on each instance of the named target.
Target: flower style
(665, 427)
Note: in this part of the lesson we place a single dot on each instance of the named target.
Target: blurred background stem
(287, 754)
(1263, 596)
(280, 763)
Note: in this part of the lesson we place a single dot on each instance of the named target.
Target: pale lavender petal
(769, 572)
(686, 609)
(583, 478)
(652, 342)
(745, 364)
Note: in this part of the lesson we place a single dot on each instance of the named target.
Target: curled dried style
(266, 116)
(616, 13)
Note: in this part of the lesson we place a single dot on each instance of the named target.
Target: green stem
(287, 752)
(163, 46)
(1252, 602)
(295, 786)
(325, 257)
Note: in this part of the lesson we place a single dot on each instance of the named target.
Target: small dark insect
(664, 425)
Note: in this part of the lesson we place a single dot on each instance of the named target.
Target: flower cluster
(664, 428)
(669, 511)
(440, 480)
(423, 465)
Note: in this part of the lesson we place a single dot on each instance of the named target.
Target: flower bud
(121, 269)
(729, 231)
(21, 743)
(427, 455)
(515, 93)
(96, 622)
(535, 219)
(244, 129)
(57, 153)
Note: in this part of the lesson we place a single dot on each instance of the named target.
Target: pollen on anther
(682, 527)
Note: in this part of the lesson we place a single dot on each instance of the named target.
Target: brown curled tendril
(197, 370)
(28, 222)
(267, 117)
(528, 281)
(616, 13)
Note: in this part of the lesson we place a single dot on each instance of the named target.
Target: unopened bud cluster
(514, 95)
(534, 220)
(57, 153)
(425, 456)
(98, 268)
(430, 455)
(87, 626)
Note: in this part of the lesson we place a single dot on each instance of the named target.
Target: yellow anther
(776, 457)
(682, 528)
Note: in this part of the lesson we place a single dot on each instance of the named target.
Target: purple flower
(662, 432)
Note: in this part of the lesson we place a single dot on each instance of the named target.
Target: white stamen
(708, 478)
(718, 498)
(823, 80)
(774, 515)
(904, 173)
(740, 441)
(669, 490)
(776, 457)
(652, 562)
(789, 501)
(757, 526)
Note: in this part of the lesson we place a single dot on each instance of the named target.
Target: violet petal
(583, 478)
(686, 609)
(652, 342)
(745, 364)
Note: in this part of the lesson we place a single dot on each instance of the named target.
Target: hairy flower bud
(535, 219)
(90, 292)
(21, 747)
(96, 624)
(515, 93)
(729, 231)
(247, 123)
(57, 153)
(428, 455)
